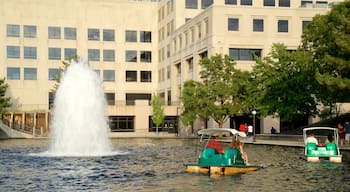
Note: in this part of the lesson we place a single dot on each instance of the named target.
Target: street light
(254, 113)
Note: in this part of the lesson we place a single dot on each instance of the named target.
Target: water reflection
(157, 165)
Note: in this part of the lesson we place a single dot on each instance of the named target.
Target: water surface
(157, 165)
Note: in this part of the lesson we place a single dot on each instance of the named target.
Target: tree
(219, 95)
(158, 112)
(4, 101)
(328, 37)
(62, 69)
(284, 84)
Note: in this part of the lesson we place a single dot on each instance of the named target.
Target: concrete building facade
(138, 47)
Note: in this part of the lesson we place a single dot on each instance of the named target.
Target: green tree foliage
(4, 101)
(284, 84)
(158, 112)
(328, 37)
(62, 69)
(219, 95)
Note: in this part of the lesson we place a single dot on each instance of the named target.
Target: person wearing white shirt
(311, 139)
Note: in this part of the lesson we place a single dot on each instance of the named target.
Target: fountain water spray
(79, 123)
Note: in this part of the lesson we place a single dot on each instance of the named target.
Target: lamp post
(253, 113)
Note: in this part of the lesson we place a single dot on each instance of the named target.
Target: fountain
(79, 125)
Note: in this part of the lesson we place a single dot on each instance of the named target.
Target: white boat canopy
(220, 131)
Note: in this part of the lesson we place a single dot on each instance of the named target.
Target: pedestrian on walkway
(347, 132)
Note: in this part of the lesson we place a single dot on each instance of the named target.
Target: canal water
(157, 165)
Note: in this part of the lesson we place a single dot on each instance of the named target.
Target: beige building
(138, 47)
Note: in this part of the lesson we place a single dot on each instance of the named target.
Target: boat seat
(208, 152)
(332, 148)
(235, 155)
(311, 146)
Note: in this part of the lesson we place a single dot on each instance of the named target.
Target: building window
(244, 54)
(94, 54)
(233, 24)
(321, 4)
(69, 53)
(29, 31)
(131, 97)
(110, 97)
(306, 3)
(146, 36)
(246, 2)
(93, 34)
(191, 4)
(284, 3)
(146, 56)
(269, 3)
(70, 33)
(131, 76)
(206, 3)
(231, 2)
(54, 53)
(30, 74)
(169, 97)
(108, 35)
(108, 55)
(29, 52)
(130, 36)
(130, 56)
(51, 99)
(54, 32)
(146, 76)
(258, 25)
(121, 123)
(305, 24)
(13, 52)
(283, 26)
(108, 75)
(12, 30)
(13, 73)
(53, 74)
(168, 72)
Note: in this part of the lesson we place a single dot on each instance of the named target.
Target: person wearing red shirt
(214, 144)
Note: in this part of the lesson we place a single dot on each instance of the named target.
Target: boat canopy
(220, 131)
(321, 129)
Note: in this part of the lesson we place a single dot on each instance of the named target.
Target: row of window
(70, 33)
(54, 53)
(14, 73)
(258, 25)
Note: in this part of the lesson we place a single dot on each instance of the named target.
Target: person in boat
(214, 144)
(237, 144)
(311, 139)
(341, 132)
(329, 139)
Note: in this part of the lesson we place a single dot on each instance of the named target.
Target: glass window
(54, 32)
(146, 76)
(108, 75)
(130, 36)
(130, 56)
(269, 3)
(233, 24)
(94, 54)
(283, 26)
(108, 55)
(146, 56)
(69, 53)
(29, 31)
(305, 3)
(321, 4)
(246, 2)
(108, 35)
(121, 123)
(54, 53)
(12, 30)
(191, 4)
(13, 52)
(29, 52)
(304, 24)
(93, 34)
(70, 33)
(146, 36)
(231, 2)
(206, 3)
(131, 76)
(53, 74)
(244, 54)
(13, 73)
(258, 25)
(30, 74)
(284, 3)
(110, 97)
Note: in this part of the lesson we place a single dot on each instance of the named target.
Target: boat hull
(219, 170)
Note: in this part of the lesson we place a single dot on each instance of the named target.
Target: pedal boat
(212, 163)
(329, 151)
